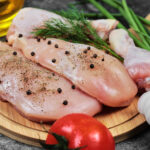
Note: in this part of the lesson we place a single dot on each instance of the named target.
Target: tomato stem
(62, 144)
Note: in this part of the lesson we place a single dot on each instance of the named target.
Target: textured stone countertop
(138, 142)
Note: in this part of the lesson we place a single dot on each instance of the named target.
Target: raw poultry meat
(96, 73)
(37, 93)
(24, 23)
(136, 60)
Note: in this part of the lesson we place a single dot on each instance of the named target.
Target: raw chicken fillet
(37, 93)
(94, 72)
(30, 18)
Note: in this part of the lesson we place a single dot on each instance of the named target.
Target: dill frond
(75, 28)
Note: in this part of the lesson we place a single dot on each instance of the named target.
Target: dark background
(138, 142)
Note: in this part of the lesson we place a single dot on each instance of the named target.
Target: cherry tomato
(82, 130)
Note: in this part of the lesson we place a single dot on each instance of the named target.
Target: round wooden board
(122, 123)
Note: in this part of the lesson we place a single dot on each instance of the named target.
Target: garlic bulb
(144, 105)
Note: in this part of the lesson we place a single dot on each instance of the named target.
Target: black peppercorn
(20, 35)
(56, 45)
(59, 90)
(44, 38)
(28, 92)
(6, 40)
(38, 39)
(103, 59)
(88, 48)
(67, 52)
(53, 60)
(53, 74)
(73, 86)
(95, 55)
(14, 53)
(91, 66)
(65, 102)
(107, 52)
(49, 42)
(85, 51)
(32, 53)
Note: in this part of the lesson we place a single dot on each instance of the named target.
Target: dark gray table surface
(138, 142)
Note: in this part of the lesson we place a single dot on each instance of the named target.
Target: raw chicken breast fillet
(37, 93)
(103, 77)
(94, 72)
(29, 18)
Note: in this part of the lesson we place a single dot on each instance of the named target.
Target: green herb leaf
(75, 28)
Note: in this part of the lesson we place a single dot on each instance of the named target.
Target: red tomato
(82, 130)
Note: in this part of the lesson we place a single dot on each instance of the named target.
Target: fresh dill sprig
(74, 28)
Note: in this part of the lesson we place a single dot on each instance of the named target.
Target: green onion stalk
(133, 20)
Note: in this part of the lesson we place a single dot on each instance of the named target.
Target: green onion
(147, 36)
(145, 21)
(108, 15)
(99, 15)
(117, 6)
(134, 21)
(92, 15)
(141, 27)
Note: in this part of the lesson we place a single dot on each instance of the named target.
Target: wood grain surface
(122, 123)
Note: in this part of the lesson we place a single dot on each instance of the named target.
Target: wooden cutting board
(122, 123)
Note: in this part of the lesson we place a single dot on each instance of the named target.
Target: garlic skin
(144, 106)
